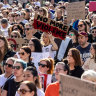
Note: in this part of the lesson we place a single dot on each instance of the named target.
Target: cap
(83, 34)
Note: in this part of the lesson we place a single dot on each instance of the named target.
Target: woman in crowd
(25, 54)
(12, 85)
(46, 68)
(5, 51)
(82, 26)
(27, 88)
(19, 28)
(59, 15)
(15, 34)
(31, 74)
(73, 35)
(93, 20)
(49, 44)
(43, 11)
(91, 62)
(53, 89)
(35, 45)
(89, 75)
(74, 62)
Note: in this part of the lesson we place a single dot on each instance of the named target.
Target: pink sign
(92, 6)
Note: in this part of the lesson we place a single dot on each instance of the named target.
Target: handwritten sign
(45, 24)
(71, 86)
(75, 10)
(92, 6)
(17, 43)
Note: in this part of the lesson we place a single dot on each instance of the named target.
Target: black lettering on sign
(39, 18)
(45, 19)
(52, 22)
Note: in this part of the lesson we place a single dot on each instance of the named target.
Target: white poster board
(38, 56)
(71, 86)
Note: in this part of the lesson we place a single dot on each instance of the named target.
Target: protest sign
(45, 24)
(75, 10)
(37, 56)
(17, 43)
(92, 6)
(71, 86)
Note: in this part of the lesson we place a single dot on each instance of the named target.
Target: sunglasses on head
(43, 65)
(27, 29)
(81, 25)
(23, 91)
(13, 36)
(21, 53)
(9, 65)
(16, 67)
(93, 31)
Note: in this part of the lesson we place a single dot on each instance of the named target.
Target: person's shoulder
(2, 75)
(40, 92)
(53, 85)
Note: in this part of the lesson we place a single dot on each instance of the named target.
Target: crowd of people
(22, 73)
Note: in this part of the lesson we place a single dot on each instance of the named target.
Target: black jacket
(77, 72)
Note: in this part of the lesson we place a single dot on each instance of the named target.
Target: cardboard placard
(92, 6)
(17, 43)
(45, 24)
(75, 10)
(71, 86)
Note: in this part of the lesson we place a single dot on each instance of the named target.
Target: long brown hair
(50, 64)
(94, 56)
(6, 47)
(76, 56)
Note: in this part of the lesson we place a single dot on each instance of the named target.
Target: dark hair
(31, 86)
(76, 56)
(76, 34)
(37, 44)
(94, 46)
(34, 72)
(28, 51)
(20, 27)
(84, 25)
(4, 21)
(6, 47)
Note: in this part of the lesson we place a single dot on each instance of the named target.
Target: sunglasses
(43, 65)
(22, 53)
(40, 10)
(13, 36)
(16, 15)
(71, 34)
(16, 67)
(27, 29)
(58, 69)
(23, 91)
(93, 31)
(81, 25)
(15, 29)
(9, 65)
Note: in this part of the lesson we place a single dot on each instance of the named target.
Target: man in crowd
(84, 46)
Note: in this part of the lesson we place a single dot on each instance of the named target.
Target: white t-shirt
(2, 80)
(49, 49)
(37, 3)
